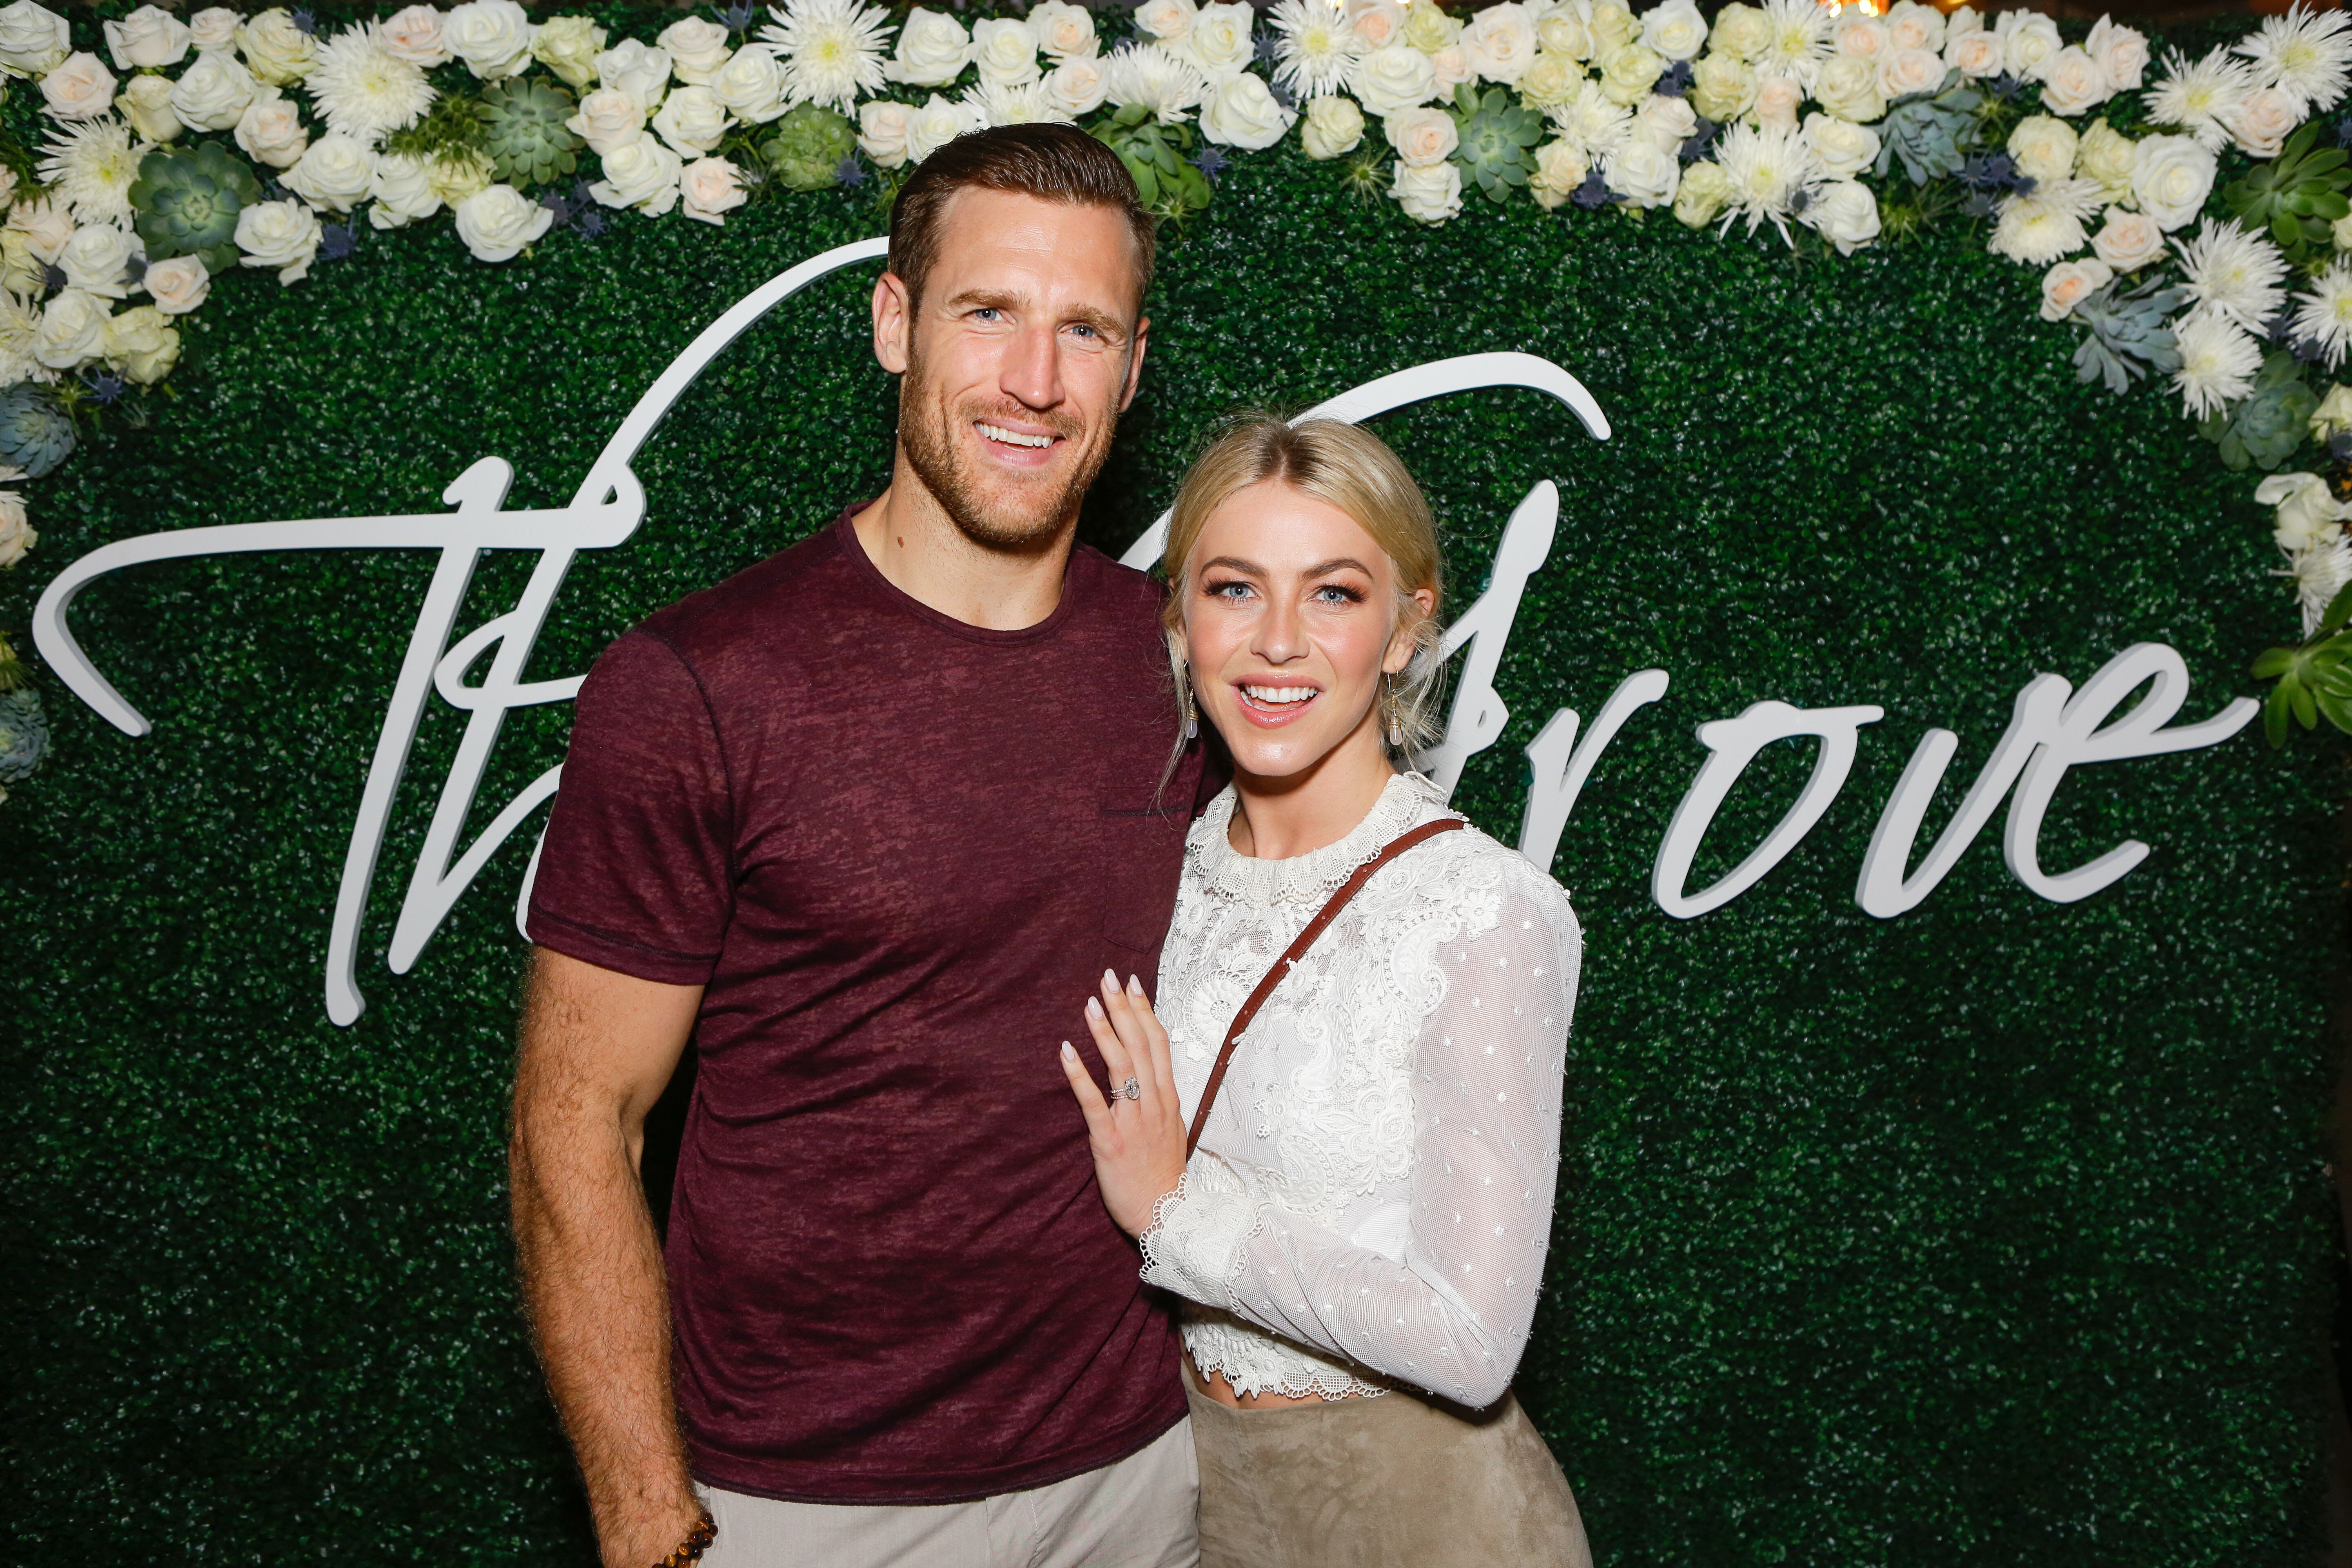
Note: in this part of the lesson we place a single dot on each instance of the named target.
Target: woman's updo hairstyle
(1346, 467)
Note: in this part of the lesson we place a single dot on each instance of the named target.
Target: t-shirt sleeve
(636, 873)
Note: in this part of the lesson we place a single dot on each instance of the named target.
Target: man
(868, 823)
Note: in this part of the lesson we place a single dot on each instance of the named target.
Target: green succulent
(23, 734)
(2297, 195)
(1930, 132)
(187, 203)
(35, 434)
(2315, 680)
(1496, 140)
(2128, 336)
(807, 149)
(524, 133)
(2267, 425)
(1172, 184)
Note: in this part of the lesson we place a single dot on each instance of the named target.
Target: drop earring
(1396, 726)
(1191, 719)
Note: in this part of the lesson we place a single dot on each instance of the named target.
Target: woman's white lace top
(1371, 1199)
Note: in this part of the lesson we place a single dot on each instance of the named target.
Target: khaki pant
(1137, 1513)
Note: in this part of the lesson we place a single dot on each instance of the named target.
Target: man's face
(1017, 361)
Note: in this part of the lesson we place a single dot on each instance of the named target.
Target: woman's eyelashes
(1232, 590)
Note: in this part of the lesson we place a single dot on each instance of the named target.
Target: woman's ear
(1407, 635)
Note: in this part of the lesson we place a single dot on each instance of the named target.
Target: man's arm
(597, 1049)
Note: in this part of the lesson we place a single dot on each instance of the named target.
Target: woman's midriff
(1214, 1386)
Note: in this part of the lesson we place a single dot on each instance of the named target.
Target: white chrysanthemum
(1313, 47)
(2198, 98)
(20, 329)
(2320, 572)
(2046, 227)
(2305, 53)
(89, 165)
(832, 50)
(1021, 104)
(1796, 39)
(364, 90)
(1768, 166)
(1592, 122)
(2232, 274)
(2324, 316)
(1149, 75)
(2218, 362)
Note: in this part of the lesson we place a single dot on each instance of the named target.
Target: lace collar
(1405, 801)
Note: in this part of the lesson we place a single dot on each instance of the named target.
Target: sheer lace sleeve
(1452, 1316)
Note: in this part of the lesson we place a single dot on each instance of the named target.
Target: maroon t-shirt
(898, 851)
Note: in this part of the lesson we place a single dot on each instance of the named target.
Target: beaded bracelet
(697, 1541)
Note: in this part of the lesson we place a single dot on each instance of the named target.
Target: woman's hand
(1138, 1135)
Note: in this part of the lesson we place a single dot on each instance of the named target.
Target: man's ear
(1135, 363)
(894, 322)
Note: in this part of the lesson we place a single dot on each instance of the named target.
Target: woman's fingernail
(1068, 1055)
(1110, 981)
(1093, 1008)
(1135, 985)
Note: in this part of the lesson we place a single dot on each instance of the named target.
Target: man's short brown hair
(1052, 163)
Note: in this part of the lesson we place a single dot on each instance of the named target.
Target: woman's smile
(1270, 704)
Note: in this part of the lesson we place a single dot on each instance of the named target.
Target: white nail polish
(1134, 986)
(1110, 980)
(1093, 1008)
(1068, 1055)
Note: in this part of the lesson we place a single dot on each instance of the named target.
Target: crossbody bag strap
(1292, 953)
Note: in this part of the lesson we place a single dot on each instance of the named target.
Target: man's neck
(918, 547)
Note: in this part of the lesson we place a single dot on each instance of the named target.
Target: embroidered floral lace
(1371, 1198)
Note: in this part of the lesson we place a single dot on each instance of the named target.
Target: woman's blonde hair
(1349, 467)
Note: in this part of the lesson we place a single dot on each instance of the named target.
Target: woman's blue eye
(1331, 595)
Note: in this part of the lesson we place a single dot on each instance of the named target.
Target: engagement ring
(1131, 1089)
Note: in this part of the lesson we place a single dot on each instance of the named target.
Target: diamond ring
(1131, 1089)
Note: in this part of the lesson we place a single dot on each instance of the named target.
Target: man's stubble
(927, 432)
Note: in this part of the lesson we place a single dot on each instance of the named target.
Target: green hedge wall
(1995, 1233)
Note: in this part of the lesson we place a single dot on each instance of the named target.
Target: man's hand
(1137, 1134)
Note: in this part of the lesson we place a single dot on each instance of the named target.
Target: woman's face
(1289, 621)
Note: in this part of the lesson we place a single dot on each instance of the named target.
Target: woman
(1360, 1233)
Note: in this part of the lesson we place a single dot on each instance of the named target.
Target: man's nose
(1032, 366)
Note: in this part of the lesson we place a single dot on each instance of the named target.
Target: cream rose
(2171, 177)
(1642, 174)
(1219, 39)
(211, 94)
(1723, 86)
(607, 118)
(1561, 32)
(270, 131)
(2105, 154)
(882, 132)
(498, 222)
(1064, 32)
(1911, 25)
(1453, 68)
(1379, 23)
(697, 48)
(46, 225)
(1428, 28)
(401, 191)
(1422, 137)
(937, 122)
(72, 330)
(2043, 148)
(2028, 43)
(2122, 54)
(1844, 213)
(933, 50)
(2127, 241)
(178, 285)
(1077, 86)
(455, 175)
(1743, 31)
(2260, 127)
(642, 175)
(1906, 72)
(1166, 20)
(2069, 283)
(2075, 84)
(336, 174)
(283, 235)
(1666, 123)
(17, 535)
(1777, 100)
(692, 120)
(1702, 194)
(142, 344)
(1550, 81)
(1844, 148)
(2308, 514)
(1391, 80)
(2333, 416)
(1627, 73)
(32, 39)
(1501, 40)
(1860, 36)
(1431, 196)
(1848, 88)
(751, 85)
(1673, 31)
(1005, 51)
(1242, 112)
(1974, 55)
(94, 259)
(641, 72)
(1611, 26)
(413, 34)
(569, 45)
(146, 103)
(709, 189)
(213, 29)
(148, 39)
(492, 36)
(1561, 168)
(1333, 126)
(275, 51)
(80, 88)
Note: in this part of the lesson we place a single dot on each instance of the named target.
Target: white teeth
(1013, 437)
(1279, 695)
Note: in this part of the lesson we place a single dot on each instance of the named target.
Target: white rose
(2069, 283)
(1844, 213)
(1500, 41)
(72, 330)
(1242, 112)
(1453, 68)
(496, 223)
(1627, 73)
(284, 235)
(46, 225)
(1077, 86)
(18, 536)
(1844, 148)
(1550, 82)
(270, 131)
(1063, 31)
(80, 88)
(697, 48)
(692, 120)
(2332, 417)
(96, 257)
(2308, 513)
(1674, 30)
(2043, 148)
(1391, 80)
(2122, 54)
(1219, 39)
(211, 94)
(492, 36)
(709, 189)
(1777, 100)
(1379, 23)
(936, 123)
(1433, 195)
(1706, 190)
(1723, 86)
(2171, 177)
(607, 118)
(933, 50)
(1422, 137)
(1666, 123)
(142, 344)
(1561, 168)
(336, 174)
(1005, 51)
(2105, 154)
(1863, 37)
(643, 73)
(2128, 240)
(1911, 25)
(642, 175)
(146, 103)
(882, 132)
(1334, 125)
(569, 45)
(1906, 72)
(275, 51)
(2028, 43)
(1848, 88)
(401, 191)
(32, 39)
(2074, 83)
(149, 36)
(1643, 173)
(1743, 31)
(2260, 127)
(1166, 20)
(178, 285)
(1973, 55)
(214, 28)
(751, 85)
(1561, 32)
(412, 34)
(1610, 25)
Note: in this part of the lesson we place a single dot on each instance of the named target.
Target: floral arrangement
(231, 144)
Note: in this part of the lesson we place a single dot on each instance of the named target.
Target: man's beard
(926, 431)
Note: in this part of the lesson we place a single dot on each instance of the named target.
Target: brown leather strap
(1291, 955)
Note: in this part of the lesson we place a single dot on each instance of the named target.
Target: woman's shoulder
(1472, 857)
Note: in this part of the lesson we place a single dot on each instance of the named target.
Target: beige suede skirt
(1392, 1481)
